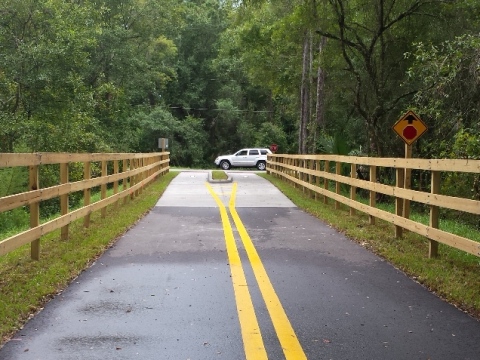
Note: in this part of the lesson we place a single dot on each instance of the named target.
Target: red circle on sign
(410, 132)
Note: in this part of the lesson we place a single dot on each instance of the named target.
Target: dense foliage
(217, 75)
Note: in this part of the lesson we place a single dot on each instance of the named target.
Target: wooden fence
(315, 173)
(131, 171)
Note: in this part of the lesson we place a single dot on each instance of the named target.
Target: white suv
(255, 157)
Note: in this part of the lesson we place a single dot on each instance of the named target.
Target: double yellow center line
(251, 334)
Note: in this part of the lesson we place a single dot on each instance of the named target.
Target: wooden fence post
(301, 175)
(338, 184)
(141, 164)
(132, 178)
(141, 175)
(125, 179)
(149, 162)
(353, 189)
(317, 178)
(400, 181)
(137, 177)
(286, 171)
(64, 199)
(104, 188)
(115, 183)
(408, 181)
(310, 166)
(294, 172)
(300, 165)
(373, 194)
(325, 180)
(164, 157)
(277, 167)
(34, 211)
(434, 215)
(87, 193)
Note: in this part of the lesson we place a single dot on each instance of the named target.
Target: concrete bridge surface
(235, 271)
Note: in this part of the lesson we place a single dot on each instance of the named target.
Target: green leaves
(449, 92)
(109, 75)
(72, 71)
(187, 139)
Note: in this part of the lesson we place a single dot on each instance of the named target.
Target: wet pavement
(164, 290)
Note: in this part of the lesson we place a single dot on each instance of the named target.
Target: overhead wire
(231, 110)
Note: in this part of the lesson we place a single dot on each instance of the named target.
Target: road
(235, 271)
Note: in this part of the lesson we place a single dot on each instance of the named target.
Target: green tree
(45, 47)
(449, 93)
(73, 72)
(187, 138)
(372, 38)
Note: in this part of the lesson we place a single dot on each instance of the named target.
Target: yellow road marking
(251, 335)
(286, 335)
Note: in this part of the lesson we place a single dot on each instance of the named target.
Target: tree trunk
(304, 98)
(311, 126)
(320, 111)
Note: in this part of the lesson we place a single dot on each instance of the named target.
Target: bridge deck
(172, 288)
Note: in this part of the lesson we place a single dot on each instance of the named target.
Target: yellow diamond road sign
(410, 127)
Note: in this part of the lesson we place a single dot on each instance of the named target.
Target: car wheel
(225, 165)
(261, 165)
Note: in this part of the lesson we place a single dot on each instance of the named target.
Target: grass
(26, 285)
(454, 276)
(219, 175)
(25, 224)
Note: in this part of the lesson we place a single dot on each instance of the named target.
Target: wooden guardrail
(137, 170)
(315, 172)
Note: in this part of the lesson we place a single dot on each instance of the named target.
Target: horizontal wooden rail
(460, 204)
(27, 198)
(305, 171)
(13, 159)
(138, 170)
(452, 165)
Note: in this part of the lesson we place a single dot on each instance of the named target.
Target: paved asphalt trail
(164, 291)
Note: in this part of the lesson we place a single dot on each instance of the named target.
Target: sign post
(408, 181)
(409, 127)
